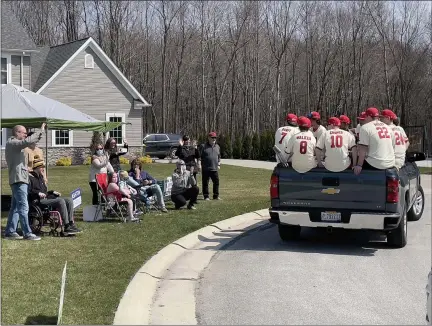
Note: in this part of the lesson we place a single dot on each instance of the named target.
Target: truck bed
(320, 189)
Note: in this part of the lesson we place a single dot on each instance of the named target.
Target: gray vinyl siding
(95, 92)
(26, 72)
(16, 70)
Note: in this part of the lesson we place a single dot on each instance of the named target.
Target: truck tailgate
(322, 189)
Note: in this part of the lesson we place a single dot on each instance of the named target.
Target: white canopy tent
(20, 106)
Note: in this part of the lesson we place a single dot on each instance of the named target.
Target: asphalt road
(341, 278)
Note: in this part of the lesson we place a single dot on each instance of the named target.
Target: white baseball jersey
(357, 129)
(337, 143)
(282, 136)
(401, 140)
(302, 147)
(317, 133)
(380, 140)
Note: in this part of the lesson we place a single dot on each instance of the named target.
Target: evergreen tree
(256, 147)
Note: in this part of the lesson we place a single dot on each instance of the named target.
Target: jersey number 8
(303, 147)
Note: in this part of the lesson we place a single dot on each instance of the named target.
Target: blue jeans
(19, 210)
(155, 189)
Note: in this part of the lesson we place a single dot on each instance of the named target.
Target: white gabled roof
(107, 61)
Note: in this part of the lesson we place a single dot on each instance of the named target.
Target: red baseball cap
(362, 116)
(372, 112)
(304, 122)
(388, 114)
(212, 134)
(314, 115)
(344, 119)
(334, 121)
(291, 117)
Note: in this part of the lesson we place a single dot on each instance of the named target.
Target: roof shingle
(46, 63)
(13, 34)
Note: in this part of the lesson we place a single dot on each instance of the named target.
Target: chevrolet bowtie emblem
(330, 191)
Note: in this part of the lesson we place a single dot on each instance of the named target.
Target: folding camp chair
(109, 202)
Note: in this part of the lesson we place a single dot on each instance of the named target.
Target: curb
(135, 306)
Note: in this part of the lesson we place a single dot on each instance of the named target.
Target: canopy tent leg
(46, 151)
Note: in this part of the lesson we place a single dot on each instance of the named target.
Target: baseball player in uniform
(316, 127)
(345, 122)
(401, 139)
(376, 144)
(301, 147)
(283, 134)
(361, 122)
(337, 143)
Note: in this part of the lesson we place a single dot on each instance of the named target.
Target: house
(78, 74)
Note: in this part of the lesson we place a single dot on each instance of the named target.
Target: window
(61, 138)
(88, 61)
(118, 133)
(161, 137)
(3, 137)
(4, 71)
(150, 138)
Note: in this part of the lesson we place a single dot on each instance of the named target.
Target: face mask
(99, 152)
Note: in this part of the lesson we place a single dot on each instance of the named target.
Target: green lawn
(425, 170)
(103, 258)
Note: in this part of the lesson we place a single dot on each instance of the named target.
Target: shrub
(247, 147)
(238, 147)
(228, 149)
(87, 161)
(145, 159)
(256, 147)
(64, 161)
(124, 160)
(267, 143)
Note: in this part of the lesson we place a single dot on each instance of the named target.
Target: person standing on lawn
(210, 155)
(99, 164)
(188, 153)
(114, 153)
(19, 180)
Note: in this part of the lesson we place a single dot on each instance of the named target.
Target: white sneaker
(133, 219)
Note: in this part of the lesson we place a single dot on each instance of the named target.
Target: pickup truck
(380, 200)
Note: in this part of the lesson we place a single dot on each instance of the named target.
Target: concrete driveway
(341, 278)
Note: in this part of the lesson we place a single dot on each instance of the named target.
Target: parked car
(381, 200)
(161, 145)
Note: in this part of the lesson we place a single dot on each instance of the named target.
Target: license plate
(331, 217)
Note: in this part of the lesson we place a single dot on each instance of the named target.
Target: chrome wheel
(418, 203)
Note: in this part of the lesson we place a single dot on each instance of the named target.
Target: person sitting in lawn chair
(39, 194)
(131, 190)
(113, 189)
(184, 186)
(147, 182)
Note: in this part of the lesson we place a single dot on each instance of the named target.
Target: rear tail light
(274, 187)
(392, 190)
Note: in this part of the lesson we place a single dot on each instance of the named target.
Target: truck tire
(289, 232)
(397, 238)
(416, 211)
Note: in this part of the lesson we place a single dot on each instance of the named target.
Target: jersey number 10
(336, 141)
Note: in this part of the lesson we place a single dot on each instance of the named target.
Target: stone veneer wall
(78, 154)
